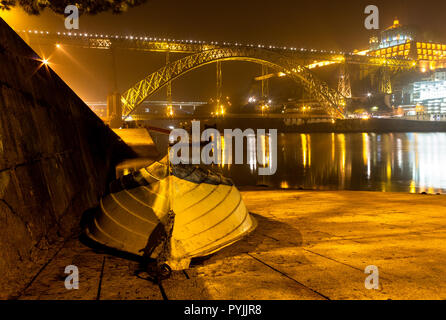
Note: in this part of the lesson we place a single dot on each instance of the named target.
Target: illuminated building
(428, 98)
(400, 41)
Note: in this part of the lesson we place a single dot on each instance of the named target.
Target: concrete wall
(56, 158)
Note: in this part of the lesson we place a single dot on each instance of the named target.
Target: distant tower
(374, 43)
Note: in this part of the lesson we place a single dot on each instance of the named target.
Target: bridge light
(57, 45)
(45, 61)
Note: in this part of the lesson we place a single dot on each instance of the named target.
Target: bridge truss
(330, 98)
(294, 62)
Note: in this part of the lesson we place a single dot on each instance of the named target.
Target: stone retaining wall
(56, 157)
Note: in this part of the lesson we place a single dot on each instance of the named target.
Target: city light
(220, 110)
(251, 99)
(170, 110)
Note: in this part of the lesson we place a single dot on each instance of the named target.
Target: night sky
(324, 24)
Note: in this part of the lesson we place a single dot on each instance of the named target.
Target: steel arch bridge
(331, 99)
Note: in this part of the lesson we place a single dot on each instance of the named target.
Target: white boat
(171, 213)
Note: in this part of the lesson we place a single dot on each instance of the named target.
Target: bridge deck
(308, 245)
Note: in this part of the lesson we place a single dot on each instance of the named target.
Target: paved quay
(308, 245)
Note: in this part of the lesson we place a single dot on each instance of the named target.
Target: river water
(397, 162)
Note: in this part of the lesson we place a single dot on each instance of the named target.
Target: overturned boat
(171, 213)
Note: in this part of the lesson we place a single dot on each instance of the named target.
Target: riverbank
(337, 126)
(308, 245)
(285, 125)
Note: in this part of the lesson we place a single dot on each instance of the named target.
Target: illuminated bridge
(296, 63)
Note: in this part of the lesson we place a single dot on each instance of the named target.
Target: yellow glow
(223, 153)
(170, 110)
(362, 53)
(304, 149)
(365, 147)
(412, 188)
(220, 110)
(309, 151)
(388, 169)
(341, 138)
(264, 151)
(319, 64)
(284, 185)
(57, 45)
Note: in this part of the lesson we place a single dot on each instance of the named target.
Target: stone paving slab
(50, 282)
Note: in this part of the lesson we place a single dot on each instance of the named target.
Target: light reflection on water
(406, 162)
